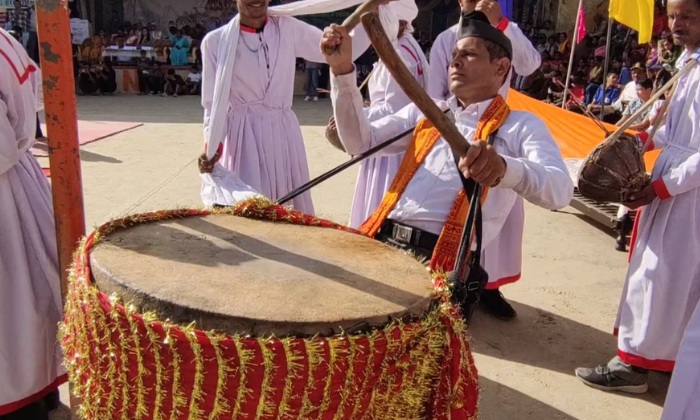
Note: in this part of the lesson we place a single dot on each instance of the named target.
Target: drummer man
(421, 212)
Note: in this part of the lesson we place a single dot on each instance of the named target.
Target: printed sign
(79, 31)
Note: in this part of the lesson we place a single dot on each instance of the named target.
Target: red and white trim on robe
(415, 58)
(253, 30)
(502, 282)
(14, 406)
(639, 361)
(503, 24)
(660, 189)
(27, 69)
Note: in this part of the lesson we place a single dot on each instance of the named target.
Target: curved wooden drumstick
(354, 19)
(387, 53)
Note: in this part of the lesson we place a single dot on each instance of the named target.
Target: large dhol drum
(614, 170)
(258, 312)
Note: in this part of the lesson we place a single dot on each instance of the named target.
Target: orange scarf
(424, 138)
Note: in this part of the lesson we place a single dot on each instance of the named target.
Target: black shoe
(33, 411)
(53, 400)
(615, 376)
(493, 303)
(625, 229)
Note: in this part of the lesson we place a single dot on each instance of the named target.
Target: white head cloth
(229, 41)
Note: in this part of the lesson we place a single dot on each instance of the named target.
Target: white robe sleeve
(9, 153)
(354, 129)
(210, 47)
(307, 42)
(394, 96)
(539, 174)
(440, 55)
(680, 179)
(526, 58)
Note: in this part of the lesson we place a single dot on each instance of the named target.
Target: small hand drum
(614, 170)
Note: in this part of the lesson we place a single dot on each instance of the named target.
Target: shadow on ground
(498, 401)
(546, 340)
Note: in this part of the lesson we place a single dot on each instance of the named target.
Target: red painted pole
(62, 123)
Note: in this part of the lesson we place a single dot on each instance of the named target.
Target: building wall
(567, 13)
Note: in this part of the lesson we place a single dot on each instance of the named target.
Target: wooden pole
(62, 126)
(571, 57)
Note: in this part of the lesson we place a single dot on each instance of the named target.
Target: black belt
(404, 236)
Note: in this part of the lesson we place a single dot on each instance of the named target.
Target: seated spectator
(555, 88)
(604, 98)
(669, 53)
(541, 43)
(636, 53)
(173, 84)
(132, 38)
(156, 79)
(193, 84)
(535, 85)
(107, 78)
(547, 29)
(629, 93)
(180, 50)
(145, 39)
(601, 49)
(652, 56)
(172, 34)
(577, 94)
(144, 68)
(595, 79)
(551, 46)
(659, 74)
(642, 122)
(563, 44)
(86, 81)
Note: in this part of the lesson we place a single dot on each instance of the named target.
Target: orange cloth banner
(575, 134)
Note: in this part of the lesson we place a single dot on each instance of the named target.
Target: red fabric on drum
(135, 366)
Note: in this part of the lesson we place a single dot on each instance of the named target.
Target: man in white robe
(662, 288)
(30, 287)
(386, 97)
(247, 92)
(526, 58)
(524, 161)
(503, 266)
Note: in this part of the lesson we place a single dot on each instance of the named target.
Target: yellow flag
(636, 14)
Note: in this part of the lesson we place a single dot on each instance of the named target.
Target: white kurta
(663, 281)
(682, 402)
(526, 59)
(30, 289)
(386, 96)
(536, 170)
(264, 146)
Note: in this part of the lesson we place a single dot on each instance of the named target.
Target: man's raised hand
(337, 39)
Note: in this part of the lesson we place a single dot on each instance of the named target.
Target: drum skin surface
(256, 277)
(613, 171)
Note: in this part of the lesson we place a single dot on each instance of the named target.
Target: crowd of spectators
(156, 54)
(632, 69)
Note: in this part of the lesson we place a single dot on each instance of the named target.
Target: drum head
(246, 276)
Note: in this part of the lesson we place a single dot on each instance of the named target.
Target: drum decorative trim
(126, 365)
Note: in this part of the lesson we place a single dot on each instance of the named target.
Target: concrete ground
(566, 301)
